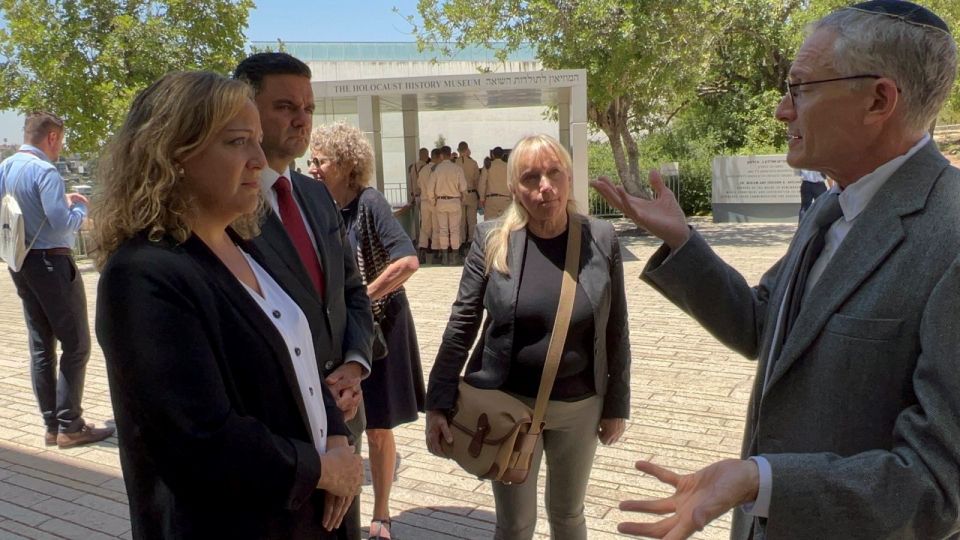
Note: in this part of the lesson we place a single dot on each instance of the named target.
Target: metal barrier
(396, 194)
(599, 207)
(675, 185)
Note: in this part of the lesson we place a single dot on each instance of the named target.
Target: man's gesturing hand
(699, 498)
(662, 215)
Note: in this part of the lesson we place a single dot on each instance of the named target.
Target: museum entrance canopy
(388, 111)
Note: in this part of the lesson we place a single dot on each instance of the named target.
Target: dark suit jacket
(214, 437)
(343, 319)
(601, 276)
(859, 416)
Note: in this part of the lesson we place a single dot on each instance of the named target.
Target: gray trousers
(570, 442)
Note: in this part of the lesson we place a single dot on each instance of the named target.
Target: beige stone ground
(688, 398)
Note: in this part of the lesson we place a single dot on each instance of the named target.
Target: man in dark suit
(303, 232)
(853, 427)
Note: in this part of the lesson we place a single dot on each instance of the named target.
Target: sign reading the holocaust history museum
(455, 83)
(755, 180)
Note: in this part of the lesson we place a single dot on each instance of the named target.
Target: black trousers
(55, 309)
(808, 192)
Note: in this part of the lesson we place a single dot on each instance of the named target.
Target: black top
(394, 239)
(540, 279)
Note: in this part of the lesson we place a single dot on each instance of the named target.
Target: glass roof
(388, 52)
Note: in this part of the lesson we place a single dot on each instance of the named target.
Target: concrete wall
(756, 213)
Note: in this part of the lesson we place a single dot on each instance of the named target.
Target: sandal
(382, 525)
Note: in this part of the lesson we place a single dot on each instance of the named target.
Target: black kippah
(907, 12)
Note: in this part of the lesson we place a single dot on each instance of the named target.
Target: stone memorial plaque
(755, 180)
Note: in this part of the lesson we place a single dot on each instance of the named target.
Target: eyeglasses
(789, 86)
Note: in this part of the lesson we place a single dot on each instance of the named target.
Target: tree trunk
(614, 122)
(620, 158)
(633, 160)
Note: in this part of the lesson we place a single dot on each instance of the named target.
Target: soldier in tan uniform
(428, 216)
(446, 189)
(494, 193)
(413, 190)
(471, 173)
(413, 173)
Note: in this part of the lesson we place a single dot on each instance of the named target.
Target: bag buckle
(476, 443)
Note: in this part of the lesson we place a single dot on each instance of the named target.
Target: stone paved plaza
(689, 395)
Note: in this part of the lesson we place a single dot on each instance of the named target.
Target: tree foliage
(85, 59)
(660, 72)
(643, 58)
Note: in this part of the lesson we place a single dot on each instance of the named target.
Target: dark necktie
(297, 231)
(827, 212)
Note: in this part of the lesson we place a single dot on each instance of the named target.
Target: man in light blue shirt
(49, 283)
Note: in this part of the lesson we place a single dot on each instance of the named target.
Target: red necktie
(297, 230)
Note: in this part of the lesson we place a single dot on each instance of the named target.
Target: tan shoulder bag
(494, 433)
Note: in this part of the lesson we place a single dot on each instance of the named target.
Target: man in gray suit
(853, 428)
(304, 234)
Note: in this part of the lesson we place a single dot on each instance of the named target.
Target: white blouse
(292, 324)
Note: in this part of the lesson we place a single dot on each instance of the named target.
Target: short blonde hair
(346, 145)
(140, 186)
(516, 217)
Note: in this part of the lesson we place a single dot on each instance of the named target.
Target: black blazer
(343, 320)
(601, 276)
(214, 438)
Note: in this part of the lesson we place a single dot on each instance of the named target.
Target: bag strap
(6, 190)
(561, 324)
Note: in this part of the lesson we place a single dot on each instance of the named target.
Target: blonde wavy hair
(347, 146)
(140, 187)
(516, 217)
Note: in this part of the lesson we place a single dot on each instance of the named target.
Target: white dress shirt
(853, 200)
(814, 177)
(292, 324)
(269, 177)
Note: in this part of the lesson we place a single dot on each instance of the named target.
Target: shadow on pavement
(59, 493)
(722, 234)
(442, 522)
(746, 235)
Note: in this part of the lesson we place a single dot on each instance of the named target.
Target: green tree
(744, 82)
(643, 58)
(949, 11)
(86, 59)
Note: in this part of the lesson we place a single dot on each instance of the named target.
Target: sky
(299, 20)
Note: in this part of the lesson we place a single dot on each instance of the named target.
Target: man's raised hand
(662, 215)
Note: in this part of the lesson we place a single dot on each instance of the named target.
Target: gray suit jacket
(601, 276)
(343, 319)
(860, 415)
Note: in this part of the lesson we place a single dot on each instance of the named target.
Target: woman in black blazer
(513, 273)
(225, 429)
